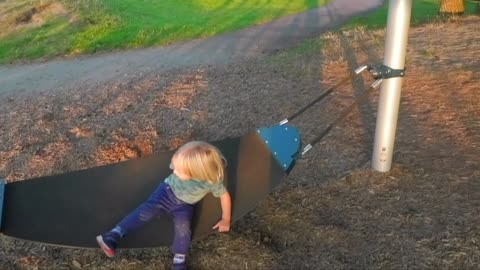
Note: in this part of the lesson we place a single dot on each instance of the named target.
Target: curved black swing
(72, 208)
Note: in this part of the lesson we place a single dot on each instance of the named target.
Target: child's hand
(222, 226)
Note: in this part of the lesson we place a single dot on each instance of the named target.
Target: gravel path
(219, 50)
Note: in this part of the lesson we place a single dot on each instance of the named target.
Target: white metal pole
(398, 24)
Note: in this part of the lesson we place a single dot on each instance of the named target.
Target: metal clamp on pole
(385, 72)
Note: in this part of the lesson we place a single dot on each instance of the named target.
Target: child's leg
(182, 218)
(154, 206)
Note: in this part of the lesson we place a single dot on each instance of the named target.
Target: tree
(452, 7)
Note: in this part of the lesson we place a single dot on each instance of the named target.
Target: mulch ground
(332, 211)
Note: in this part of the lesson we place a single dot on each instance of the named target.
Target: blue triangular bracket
(284, 142)
(2, 197)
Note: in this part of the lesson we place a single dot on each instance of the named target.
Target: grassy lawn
(87, 26)
(424, 11)
(32, 29)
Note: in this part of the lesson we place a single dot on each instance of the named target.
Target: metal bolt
(266, 141)
(275, 153)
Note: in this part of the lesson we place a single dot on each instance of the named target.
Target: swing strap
(342, 115)
(324, 94)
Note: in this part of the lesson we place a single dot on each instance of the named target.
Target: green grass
(423, 11)
(102, 25)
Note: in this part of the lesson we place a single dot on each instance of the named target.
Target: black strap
(324, 94)
(342, 115)
(319, 98)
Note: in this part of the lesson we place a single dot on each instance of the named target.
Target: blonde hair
(202, 161)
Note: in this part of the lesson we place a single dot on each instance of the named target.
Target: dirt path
(219, 50)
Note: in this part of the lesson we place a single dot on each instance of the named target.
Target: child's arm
(226, 203)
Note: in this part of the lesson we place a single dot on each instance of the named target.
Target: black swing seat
(72, 208)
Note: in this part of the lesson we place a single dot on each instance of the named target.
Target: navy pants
(163, 201)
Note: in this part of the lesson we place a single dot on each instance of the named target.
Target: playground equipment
(71, 209)
(398, 23)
